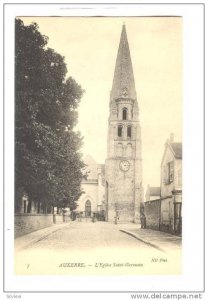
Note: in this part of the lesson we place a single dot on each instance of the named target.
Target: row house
(163, 206)
(171, 187)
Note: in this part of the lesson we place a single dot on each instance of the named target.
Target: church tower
(123, 166)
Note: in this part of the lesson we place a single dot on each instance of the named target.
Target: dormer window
(124, 114)
(120, 128)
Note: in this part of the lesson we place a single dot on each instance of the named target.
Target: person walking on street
(143, 220)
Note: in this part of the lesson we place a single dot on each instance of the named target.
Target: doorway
(178, 218)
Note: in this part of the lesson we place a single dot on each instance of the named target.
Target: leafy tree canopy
(48, 165)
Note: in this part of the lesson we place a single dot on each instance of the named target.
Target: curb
(37, 239)
(142, 240)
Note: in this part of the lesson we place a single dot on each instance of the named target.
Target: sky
(90, 45)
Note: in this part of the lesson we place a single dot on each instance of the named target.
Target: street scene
(98, 175)
(101, 248)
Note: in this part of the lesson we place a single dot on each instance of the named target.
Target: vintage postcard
(128, 219)
(98, 144)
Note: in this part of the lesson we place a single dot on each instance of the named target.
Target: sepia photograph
(103, 150)
(98, 145)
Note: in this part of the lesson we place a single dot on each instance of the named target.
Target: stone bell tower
(123, 166)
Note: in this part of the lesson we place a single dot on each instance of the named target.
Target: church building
(123, 166)
(92, 201)
(122, 174)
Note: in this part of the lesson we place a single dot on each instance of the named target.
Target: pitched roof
(91, 167)
(154, 191)
(177, 149)
(88, 159)
(123, 82)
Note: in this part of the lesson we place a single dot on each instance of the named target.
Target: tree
(48, 165)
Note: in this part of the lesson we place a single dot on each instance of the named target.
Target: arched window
(88, 208)
(124, 114)
(120, 128)
(129, 131)
(119, 149)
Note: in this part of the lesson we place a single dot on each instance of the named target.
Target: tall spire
(123, 81)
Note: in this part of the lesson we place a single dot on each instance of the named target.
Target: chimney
(171, 137)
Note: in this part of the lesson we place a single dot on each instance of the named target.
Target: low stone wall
(152, 213)
(26, 223)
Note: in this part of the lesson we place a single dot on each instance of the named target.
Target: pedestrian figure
(64, 215)
(94, 218)
(73, 216)
(143, 220)
(116, 218)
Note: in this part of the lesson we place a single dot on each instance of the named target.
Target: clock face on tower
(124, 165)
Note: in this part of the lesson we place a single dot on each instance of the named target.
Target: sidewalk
(157, 239)
(160, 240)
(24, 241)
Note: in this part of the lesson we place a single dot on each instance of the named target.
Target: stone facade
(93, 197)
(167, 215)
(123, 166)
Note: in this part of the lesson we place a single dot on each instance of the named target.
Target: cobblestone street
(101, 248)
(87, 236)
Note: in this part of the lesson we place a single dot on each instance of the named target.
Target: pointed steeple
(123, 82)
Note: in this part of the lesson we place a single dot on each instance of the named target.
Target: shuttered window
(171, 171)
(168, 172)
